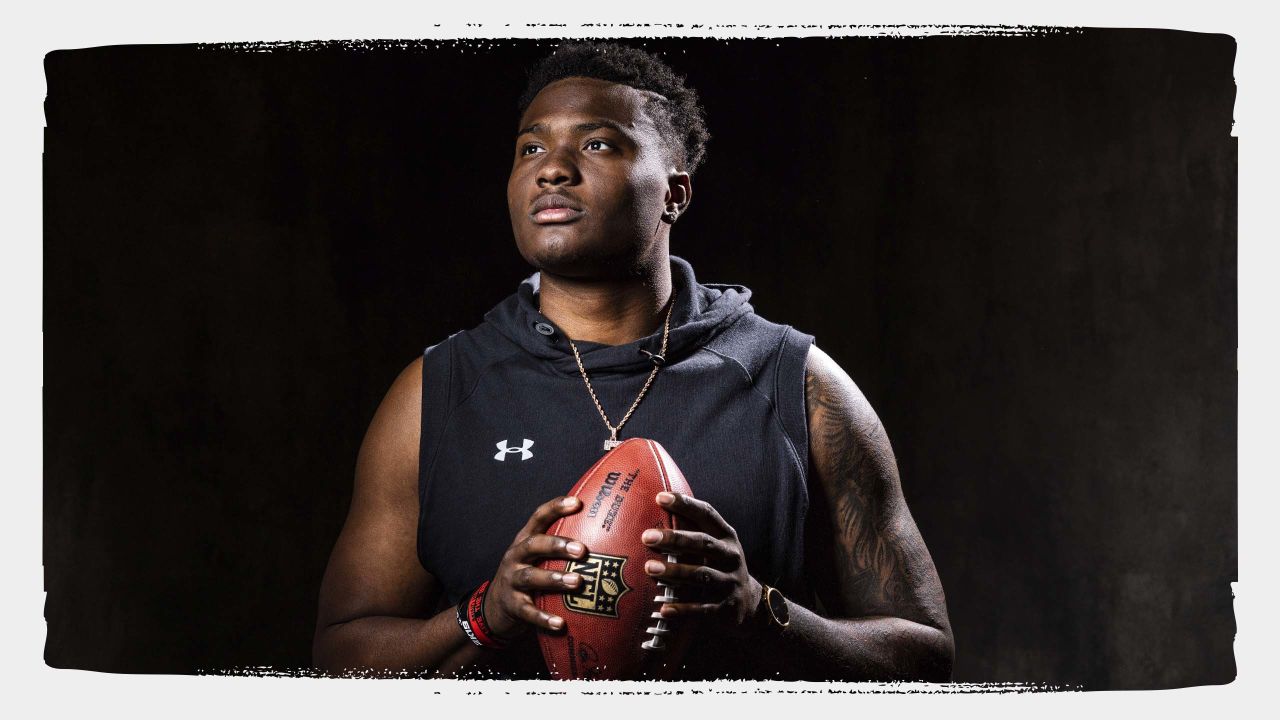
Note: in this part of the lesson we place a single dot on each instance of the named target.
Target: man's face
(589, 181)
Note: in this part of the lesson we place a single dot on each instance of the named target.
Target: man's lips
(556, 215)
(555, 208)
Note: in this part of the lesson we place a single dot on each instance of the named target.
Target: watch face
(778, 605)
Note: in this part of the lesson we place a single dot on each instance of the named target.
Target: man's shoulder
(832, 398)
(473, 346)
(406, 389)
(821, 367)
(752, 330)
(452, 366)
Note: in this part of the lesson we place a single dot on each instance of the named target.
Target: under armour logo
(523, 450)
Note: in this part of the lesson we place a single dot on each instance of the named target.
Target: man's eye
(529, 150)
(598, 145)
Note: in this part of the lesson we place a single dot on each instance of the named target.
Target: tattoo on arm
(869, 557)
(859, 481)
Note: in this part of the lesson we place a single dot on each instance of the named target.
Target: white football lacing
(659, 629)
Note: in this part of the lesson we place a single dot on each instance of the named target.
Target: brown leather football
(612, 627)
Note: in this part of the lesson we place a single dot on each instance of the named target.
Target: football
(613, 630)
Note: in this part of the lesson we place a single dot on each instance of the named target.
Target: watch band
(772, 612)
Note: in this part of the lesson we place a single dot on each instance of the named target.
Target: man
(811, 566)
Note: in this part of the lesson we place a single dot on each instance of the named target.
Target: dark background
(1023, 249)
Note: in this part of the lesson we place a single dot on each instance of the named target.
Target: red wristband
(471, 619)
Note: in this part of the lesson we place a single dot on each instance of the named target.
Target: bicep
(879, 564)
(374, 568)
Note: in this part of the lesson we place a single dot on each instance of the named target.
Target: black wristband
(472, 620)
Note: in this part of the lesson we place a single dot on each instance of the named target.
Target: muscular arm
(376, 601)
(881, 571)
(886, 615)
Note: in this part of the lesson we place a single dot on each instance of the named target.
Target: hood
(701, 312)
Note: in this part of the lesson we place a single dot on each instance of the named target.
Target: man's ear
(679, 191)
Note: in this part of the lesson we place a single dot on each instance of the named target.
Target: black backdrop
(1022, 248)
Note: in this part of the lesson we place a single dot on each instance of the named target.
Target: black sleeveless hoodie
(507, 424)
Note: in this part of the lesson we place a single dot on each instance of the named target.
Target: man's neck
(611, 312)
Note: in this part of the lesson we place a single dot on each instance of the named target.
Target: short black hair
(678, 114)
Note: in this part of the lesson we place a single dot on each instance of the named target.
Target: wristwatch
(772, 611)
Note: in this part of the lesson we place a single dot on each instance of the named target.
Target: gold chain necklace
(658, 361)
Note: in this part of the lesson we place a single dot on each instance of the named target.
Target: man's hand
(717, 586)
(508, 606)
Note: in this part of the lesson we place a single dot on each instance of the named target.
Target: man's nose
(558, 168)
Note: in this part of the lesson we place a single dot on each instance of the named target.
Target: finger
(529, 613)
(720, 554)
(502, 610)
(546, 546)
(532, 579)
(682, 574)
(700, 512)
(547, 513)
(688, 609)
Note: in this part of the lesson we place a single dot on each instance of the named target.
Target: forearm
(854, 649)
(413, 645)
